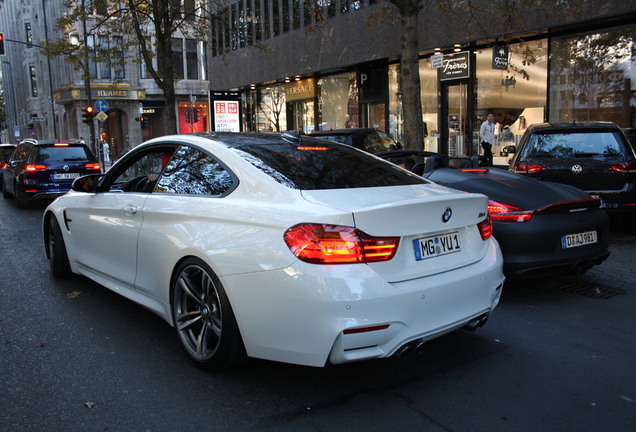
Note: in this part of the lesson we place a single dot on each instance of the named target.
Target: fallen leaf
(74, 294)
(89, 404)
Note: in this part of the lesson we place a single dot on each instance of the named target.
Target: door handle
(130, 210)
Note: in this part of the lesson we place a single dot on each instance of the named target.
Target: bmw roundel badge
(446, 216)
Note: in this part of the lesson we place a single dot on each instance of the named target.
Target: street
(556, 355)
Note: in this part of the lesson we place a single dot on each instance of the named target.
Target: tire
(203, 317)
(58, 258)
(20, 200)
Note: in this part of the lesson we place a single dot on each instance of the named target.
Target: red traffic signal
(88, 113)
(2, 51)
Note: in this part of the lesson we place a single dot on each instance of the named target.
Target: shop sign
(226, 116)
(437, 61)
(455, 66)
(500, 57)
(300, 90)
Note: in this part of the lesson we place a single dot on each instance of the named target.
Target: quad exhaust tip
(418, 346)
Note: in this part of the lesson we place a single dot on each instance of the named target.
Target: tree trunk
(410, 74)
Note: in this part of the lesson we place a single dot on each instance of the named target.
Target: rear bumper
(314, 315)
(534, 248)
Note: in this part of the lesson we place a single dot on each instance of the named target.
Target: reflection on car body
(264, 245)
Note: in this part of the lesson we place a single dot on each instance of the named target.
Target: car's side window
(141, 175)
(194, 172)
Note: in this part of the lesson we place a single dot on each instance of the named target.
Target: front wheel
(58, 258)
(203, 317)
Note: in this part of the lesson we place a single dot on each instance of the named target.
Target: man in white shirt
(487, 137)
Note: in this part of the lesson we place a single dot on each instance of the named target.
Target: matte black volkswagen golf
(595, 157)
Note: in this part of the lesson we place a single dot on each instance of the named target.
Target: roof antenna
(292, 135)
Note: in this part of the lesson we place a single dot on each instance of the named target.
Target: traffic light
(143, 122)
(188, 117)
(88, 114)
(2, 51)
(195, 114)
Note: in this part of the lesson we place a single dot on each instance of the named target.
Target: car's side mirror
(87, 183)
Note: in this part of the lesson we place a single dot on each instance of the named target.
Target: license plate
(437, 245)
(64, 176)
(579, 239)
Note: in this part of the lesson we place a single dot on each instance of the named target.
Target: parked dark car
(595, 157)
(45, 169)
(367, 139)
(543, 228)
(5, 153)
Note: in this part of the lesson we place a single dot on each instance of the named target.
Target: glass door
(303, 116)
(456, 102)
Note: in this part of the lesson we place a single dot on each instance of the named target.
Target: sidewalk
(620, 267)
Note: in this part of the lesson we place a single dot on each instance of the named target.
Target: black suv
(594, 156)
(42, 169)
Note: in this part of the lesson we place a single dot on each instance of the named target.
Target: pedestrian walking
(487, 137)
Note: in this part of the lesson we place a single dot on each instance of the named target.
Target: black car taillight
(526, 168)
(624, 167)
(508, 213)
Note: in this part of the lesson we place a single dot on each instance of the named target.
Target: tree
(144, 31)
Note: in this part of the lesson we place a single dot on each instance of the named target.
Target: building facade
(44, 98)
(335, 64)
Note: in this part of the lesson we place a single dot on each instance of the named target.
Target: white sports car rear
(280, 247)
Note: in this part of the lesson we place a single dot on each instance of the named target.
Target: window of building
(590, 77)
(258, 21)
(192, 66)
(177, 57)
(286, 16)
(34, 81)
(104, 64)
(276, 18)
(296, 12)
(307, 12)
(119, 62)
(28, 35)
(338, 99)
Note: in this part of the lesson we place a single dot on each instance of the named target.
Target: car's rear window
(342, 139)
(573, 144)
(324, 166)
(62, 154)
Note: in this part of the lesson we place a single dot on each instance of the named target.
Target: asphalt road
(77, 357)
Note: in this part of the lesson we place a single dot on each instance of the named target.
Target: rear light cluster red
(334, 244)
(526, 168)
(93, 166)
(625, 167)
(507, 213)
(35, 167)
(485, 228)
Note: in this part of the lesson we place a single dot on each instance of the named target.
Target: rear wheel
(58, 258)
(203, 317)
(20, 199)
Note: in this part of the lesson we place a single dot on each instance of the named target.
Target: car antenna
(292, 135)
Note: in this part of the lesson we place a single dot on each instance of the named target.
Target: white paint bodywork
(288, 310)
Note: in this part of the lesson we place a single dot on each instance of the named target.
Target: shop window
(517, 96)
(271, 114)
(590, 77)
(338, 99)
